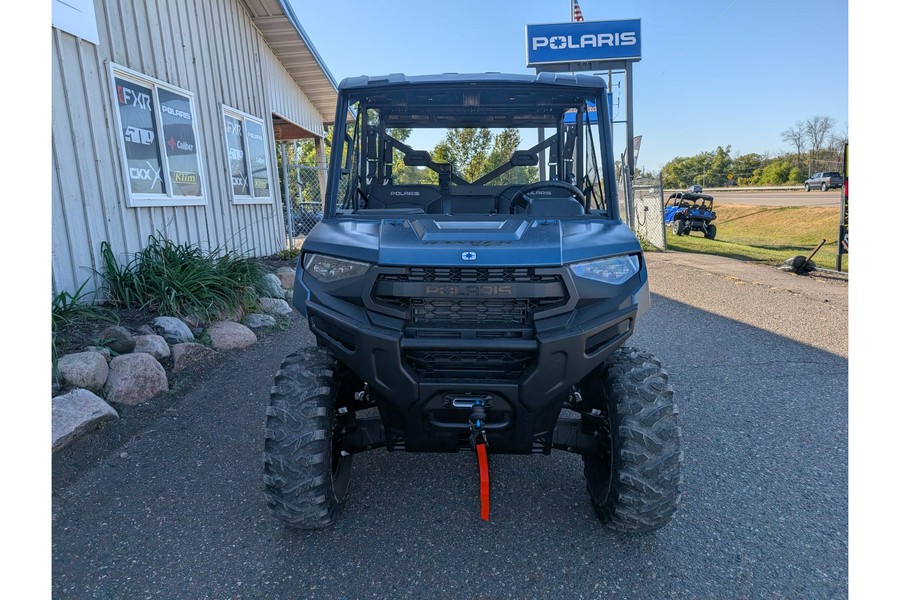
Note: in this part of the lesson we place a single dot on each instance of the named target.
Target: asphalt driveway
(169, 504)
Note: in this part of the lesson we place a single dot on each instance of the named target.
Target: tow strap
(481, 450)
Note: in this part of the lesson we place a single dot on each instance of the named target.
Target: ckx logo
(588, 40)
(130, 97)
(136, 135)
(239, 181)
(149, 174)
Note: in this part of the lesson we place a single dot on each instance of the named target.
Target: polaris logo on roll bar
(404, 193)
(588, 40)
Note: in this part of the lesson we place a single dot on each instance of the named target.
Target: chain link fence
(301, 186)
(648, 220)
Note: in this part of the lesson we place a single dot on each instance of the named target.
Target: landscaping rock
(118, 339)
(154, 345)
(260, 321)
(145, 330)
(235, 316)
(134, 378)
(190, 353)
(104, 352)
(289, 296)
(269, 286)
(174, 330)
(83, 370)
(275, 306)
(228, 335)
(75, 413)
(286, 275)
(795, 265)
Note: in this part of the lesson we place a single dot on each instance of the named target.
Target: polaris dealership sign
(583, 42)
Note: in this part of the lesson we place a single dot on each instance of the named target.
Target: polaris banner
(584, 41)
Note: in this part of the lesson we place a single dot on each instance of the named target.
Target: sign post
(591, 46)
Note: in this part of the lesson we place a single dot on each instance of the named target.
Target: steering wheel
(519, 198)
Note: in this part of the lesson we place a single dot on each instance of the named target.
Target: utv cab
(685, 212)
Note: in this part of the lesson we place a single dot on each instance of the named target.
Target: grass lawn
(769, 234)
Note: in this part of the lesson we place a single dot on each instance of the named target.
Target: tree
(817, 130)
(476, 152)
(796, 137)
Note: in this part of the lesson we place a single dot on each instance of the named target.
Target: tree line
(816, 145)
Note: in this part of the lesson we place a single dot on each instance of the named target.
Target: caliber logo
(136, 135)
(469, 255)
(173, 143)
(588, 40)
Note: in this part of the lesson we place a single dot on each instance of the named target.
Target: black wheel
(824, 187)
(634, 481)
(710, 232)
(305, 475)
(679, 226)
(806, 185)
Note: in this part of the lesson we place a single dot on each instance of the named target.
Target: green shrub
(181, 280)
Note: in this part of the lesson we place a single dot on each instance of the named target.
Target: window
(159, 141)
(248, 158)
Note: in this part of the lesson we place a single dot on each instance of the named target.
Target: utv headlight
(608, 270)
(328, 269)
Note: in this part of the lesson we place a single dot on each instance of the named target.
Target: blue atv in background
(685, 212)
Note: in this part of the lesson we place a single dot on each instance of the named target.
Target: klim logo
(588, 40)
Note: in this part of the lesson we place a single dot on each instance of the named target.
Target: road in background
(774, 198)
(758, 361)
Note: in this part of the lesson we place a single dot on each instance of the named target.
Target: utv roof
(691, 196)
(473, 100)
(399, 79)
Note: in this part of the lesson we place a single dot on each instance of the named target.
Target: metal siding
(210, 49)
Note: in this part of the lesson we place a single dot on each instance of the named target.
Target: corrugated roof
(290, 43)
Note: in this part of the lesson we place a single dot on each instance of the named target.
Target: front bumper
(523, 349)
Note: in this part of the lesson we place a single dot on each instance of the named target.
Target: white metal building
(165, 117)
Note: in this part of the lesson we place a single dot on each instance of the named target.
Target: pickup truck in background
(824, 181)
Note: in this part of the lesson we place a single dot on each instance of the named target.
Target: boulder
(286, 275)
(269, 286)
(795, 264)
(76, 413)
(173, 330)
(118, 339)
(104, 352)
(236, 315)
(154, 345)
(259, 321)
(86, 370)
(228, 335)
(134, 378)
(275, 307)
(190, 353)
(289, 296)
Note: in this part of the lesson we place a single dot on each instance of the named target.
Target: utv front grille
(463, 364)
(468, 307)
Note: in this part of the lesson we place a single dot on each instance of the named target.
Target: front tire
(634, 480)
(710, 232)
(305, 475)
(806, 185)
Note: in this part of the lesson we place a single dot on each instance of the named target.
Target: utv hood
(471, 242)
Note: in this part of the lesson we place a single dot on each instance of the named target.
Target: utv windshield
(477, 149)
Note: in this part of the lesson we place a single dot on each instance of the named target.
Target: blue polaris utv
(685, 212)
(473, 300)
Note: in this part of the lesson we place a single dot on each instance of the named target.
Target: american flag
(576, 12)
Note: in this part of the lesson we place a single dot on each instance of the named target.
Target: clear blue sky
(713, 72)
